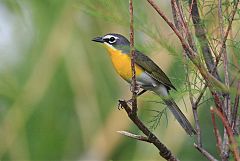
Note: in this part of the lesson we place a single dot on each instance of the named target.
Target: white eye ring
(112, 40)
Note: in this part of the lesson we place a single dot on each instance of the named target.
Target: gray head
(116, 41)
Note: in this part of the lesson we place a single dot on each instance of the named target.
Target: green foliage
(157, 118)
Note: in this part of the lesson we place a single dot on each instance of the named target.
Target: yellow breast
(122, 63)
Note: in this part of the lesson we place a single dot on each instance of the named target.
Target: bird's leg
(120, 105)
(138, 94)
(130, 100)
(136, 88)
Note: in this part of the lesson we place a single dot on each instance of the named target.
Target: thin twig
(171, 25)
(223, 44)
(196, 118)
(221, 28)
(235, 108)
(236, 100)
(133, 85)
(163, 150)
(217, 134)
(232, 140)
(197, 124)
(134, 136)
(217, 100)
(205, 153)
(190, 9)
(177, 7)
(227, 103)
(200, 96)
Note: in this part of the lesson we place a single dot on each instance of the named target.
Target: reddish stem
(229, 130)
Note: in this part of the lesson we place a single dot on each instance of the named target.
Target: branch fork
(150, 137)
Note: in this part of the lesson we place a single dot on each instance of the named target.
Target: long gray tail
(183, 121)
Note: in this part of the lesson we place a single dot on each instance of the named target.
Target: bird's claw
(130, 101)
(137, 88)
(120, 105)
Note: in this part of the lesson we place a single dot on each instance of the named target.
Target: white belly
(147, 82)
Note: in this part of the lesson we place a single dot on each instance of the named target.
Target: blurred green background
(59, 92)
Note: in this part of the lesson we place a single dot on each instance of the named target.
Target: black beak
(98, 39)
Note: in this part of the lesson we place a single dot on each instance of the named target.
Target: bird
(149, 76)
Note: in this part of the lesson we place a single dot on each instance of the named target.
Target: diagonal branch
(163, 150)
(200, 96)
(205, 153)
(217, 134)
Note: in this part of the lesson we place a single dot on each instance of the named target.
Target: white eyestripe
(109, 36)
(111, 39)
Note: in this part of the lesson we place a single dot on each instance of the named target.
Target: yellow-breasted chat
(149, 76)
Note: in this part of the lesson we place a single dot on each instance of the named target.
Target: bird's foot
(137, 88)
(130, 101)
(121, 101)
(120, 104)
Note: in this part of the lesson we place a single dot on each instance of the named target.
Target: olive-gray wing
(152, 69)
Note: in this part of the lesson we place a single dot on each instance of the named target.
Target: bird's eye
(112, 40)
